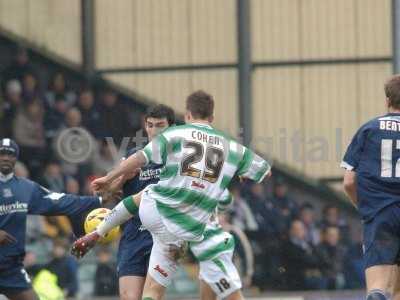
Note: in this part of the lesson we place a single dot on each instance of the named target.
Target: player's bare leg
(153, 290)
(396, 293)
(25, 295)
(131, 287)
(381, 282)
(206, 293)
(237, 295)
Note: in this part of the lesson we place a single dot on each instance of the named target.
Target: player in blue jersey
(18, 198)
(372, 181)
(135, 244)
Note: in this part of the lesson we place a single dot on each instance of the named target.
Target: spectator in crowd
(307, 216)
(106, 283)
(89, 112)
(72, 186)
(54, 118)
(87, 146)
(332, 256)
(73, 118)
(52, 178)
(242, 215)
(21, 170)
(30, 88)
(331, 217)
(59, 89)
(18, 68)
(12, 101)
(266, 217)
(105, 160)
(114, 117)
(65, 267)
(285, 206)
(28, 132)
(300, 262)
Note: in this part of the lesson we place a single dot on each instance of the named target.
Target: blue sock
(378, 295)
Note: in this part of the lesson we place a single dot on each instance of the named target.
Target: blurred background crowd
(284, 240)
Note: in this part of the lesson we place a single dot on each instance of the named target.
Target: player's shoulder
(373, 123)
(24, 184)
(24, 181)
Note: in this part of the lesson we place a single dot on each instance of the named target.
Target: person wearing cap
(18, 198)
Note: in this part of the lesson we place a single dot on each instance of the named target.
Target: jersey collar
(202, 125)
(5, 178)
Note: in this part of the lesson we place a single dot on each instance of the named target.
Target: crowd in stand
(294, 249)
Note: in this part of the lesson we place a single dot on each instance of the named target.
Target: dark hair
(325, 229)
(161, 111)
(392, 91)
(328, 207)
(200, 104)
(85, 89)
(307, 205)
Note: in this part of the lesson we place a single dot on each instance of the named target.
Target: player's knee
(378, 295)
(129, 294)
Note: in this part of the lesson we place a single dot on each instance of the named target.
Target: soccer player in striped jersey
(200, 162)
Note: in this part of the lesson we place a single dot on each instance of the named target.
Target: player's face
(155, 125)
(7, 162)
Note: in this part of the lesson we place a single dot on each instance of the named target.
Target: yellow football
(94, 218)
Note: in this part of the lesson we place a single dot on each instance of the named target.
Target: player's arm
(350, 163)
(118, 183)
(154, 151)
(45, 202)
(253, 167)
(116, 177)
(75, 207)
(350, 185)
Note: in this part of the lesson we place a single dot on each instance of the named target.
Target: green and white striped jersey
(199, 163)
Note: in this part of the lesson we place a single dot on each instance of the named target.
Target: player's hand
(111, 195)
(84, 244)
(99, 185)
(118, 183)
(6, 238)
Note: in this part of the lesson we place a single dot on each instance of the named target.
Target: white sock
(118, 215)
